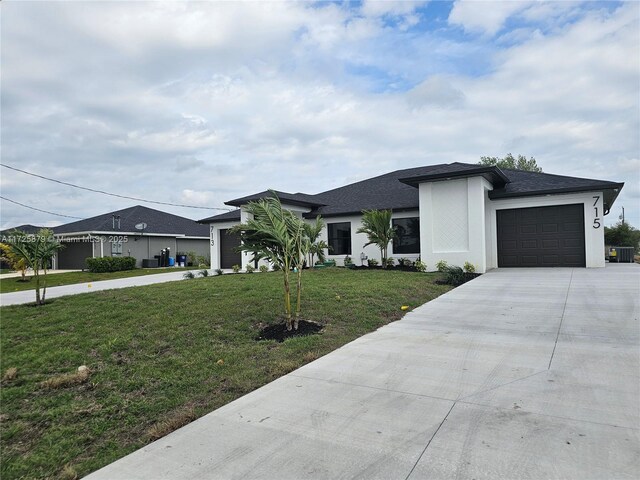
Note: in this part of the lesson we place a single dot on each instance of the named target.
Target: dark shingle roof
(301, 199)
(396, 190)
(23, 228)
(223, 217)
(157, 222)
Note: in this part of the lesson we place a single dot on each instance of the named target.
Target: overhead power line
(137, 199)
(39, 210)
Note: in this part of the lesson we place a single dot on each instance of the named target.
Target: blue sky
(203, 102)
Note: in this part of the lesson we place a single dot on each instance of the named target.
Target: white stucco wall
(593, 222)
(452, 222)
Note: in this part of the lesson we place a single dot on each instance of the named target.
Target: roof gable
(157, 222)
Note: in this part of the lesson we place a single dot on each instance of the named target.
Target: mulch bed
(280, 333)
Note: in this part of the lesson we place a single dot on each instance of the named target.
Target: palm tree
(376, 224)
(36, 251)
(277, 235)
(316, 247)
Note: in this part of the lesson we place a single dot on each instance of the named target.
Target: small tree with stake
(376, 224)
(36, 251)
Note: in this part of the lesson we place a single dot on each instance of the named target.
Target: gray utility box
(621, 254)
(150, 263)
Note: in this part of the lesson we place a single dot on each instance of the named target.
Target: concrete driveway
(28, 296)
(521, 373)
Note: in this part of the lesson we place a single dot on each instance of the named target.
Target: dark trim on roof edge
(614, 188)
(491, 173)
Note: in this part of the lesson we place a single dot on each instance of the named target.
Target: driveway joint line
(561, 319)
(374, 388)
(501, 385)
(522, 410)
(430, 440)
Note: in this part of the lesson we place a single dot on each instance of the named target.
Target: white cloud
(485, 17)
(146, 101)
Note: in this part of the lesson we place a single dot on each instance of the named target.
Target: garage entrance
(541, 236)
(228, 254)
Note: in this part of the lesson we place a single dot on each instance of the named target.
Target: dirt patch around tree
(279, 332)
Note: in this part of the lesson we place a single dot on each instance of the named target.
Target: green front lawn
(14, 284)
(164, 354)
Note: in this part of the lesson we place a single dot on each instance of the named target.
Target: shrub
(191, 258)
(110, 264)
(219, 271)
(441, 266)
(347, 260)
(373, 262)
(204, 272)
(421, 266)
(275, 267)
(454, 275)
(203, 261)
(236, 268)
(263, 269)
(249, 269)
(404, 262)
(188, 275)
(469, 267)
(389, 262)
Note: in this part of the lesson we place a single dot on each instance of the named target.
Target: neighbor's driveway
(521, 373)
(29, 296)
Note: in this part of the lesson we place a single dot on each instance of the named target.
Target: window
(116, 248)
(339, 238)
(407, 238)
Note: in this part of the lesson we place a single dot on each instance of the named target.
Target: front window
(407, 238)
(339, 238)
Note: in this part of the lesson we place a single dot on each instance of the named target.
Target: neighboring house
(455, 212)
(116, 234)
(30, 229)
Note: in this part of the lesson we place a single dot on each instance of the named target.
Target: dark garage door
(541, 237)
(228, 255)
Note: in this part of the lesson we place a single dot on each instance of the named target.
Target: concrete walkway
(28, 296)
(30, 273)
(521, 373)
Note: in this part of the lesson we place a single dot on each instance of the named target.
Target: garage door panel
(573, 227)
(541, 236)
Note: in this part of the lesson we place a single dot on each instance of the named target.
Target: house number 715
(596, 221)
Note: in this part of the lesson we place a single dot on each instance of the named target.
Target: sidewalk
(30, 273)
(28, 296)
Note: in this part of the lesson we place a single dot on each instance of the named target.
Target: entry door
(541, 236)
(228, 254)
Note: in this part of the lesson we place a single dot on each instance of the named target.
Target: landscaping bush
(264, 269)
(372, 262)
(110, 264)
(420, 266)
(454, 275)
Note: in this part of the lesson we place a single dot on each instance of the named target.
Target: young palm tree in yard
(376, 224)
(277, 235)
(36, 251)
(316, 247)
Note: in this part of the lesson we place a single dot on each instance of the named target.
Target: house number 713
(596, 221)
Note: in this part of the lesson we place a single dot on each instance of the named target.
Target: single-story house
(138, 232)
(455, 212)
(27, 228)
